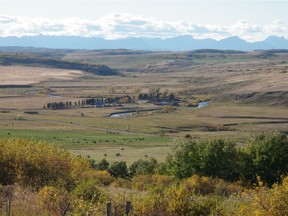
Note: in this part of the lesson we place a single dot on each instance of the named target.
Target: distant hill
(180, 43)
(39, 61)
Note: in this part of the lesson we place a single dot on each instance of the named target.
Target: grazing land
(247, 92)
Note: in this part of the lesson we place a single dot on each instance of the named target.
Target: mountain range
(180, 43)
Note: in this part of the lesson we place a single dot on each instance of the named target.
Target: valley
(247, 92)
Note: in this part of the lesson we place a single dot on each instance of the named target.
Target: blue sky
(251, 20)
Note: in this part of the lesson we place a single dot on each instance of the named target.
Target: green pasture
(99, 145)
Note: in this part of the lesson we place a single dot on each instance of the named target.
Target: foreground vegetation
(206, 177)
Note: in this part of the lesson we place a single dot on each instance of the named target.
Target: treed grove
(199, 177)
(101, 101)
(153, 96)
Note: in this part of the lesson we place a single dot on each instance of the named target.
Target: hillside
(25, 59)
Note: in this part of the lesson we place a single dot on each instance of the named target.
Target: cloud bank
(114, 26)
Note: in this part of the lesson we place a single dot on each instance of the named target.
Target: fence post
(66, 209)
(108, 209)
(128, 208)
(8, 208)
(115, 211)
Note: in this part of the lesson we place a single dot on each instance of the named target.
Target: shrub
(180, 202)
(53, 199)
(103, 177)
(202, 185)
(151, 204)
(88, 191)
(260, 201)
(144, 182)
(35, 164)
(167, 109)
(121, 183)
(119, 169)
(102, 165)
(267, 157)
(215, 158)
(143, 167)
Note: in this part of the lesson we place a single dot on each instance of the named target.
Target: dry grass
(20, 75)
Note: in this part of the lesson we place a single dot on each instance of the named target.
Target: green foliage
(185, 159)
(219, 159)
(88, 190)
(119, 169)
(266, 157)
(102, 165)
(216, 158)
(143, 167)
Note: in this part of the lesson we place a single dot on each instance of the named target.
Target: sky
(252, 20)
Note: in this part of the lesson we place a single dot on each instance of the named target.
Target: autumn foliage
(206, 177)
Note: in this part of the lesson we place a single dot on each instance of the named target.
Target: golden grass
(20, 75)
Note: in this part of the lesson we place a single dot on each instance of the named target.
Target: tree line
(99, 101)
(156, 94)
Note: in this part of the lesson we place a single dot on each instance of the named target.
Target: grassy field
(247, 93)
(99, 145)
(20, 75)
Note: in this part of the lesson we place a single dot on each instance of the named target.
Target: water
(54, 96)
(129, 113)
(122, 115)
(203, 104)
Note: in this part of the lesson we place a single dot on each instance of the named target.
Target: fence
(109, 211)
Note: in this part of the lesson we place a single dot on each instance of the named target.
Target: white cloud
(124, 25)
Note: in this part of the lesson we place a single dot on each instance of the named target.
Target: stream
(128, 113)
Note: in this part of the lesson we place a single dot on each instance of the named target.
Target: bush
(180, 202)
(168, 109)
(215, 158)
(88, 199)
(35, 164)
(202, 185)
(260, 201)
(102, 165)
(144, 182)
(143, 167)
(266, 156)
(53, 199)
(150, 204)
(119, 169)
(88, 191)
(103, 177)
